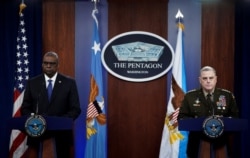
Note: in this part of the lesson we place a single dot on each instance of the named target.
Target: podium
(208, 146)
(53, 123)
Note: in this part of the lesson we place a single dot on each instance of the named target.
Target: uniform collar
(206, 93)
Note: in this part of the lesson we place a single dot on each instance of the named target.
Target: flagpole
(179, 16)
(22, 6)
(182, 79)
(95, 11)
(95, 4)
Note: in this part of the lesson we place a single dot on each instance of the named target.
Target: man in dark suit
(63, 102)
(207, 101)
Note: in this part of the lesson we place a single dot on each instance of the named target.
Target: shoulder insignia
(193, 90)
(225, 90)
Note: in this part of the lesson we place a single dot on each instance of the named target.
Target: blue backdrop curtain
(9, 20)
(242, 65)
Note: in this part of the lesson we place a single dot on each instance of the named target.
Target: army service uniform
(196, 105)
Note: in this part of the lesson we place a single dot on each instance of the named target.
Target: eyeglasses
(50, 63)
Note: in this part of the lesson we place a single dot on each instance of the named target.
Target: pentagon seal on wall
(137, 56)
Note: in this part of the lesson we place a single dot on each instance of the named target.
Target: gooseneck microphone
(36, 125)
(210, 102)
(38, 98)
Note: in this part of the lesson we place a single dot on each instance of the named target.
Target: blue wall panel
(191, 38)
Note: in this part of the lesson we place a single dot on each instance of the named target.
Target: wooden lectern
(212, 147)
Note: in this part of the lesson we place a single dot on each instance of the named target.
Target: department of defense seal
(213, 127)
(35, 125)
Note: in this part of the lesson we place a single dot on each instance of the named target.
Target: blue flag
(96, 144)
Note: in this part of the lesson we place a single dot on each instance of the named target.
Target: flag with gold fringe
(174, 142)
(96, 143)
(18, 147)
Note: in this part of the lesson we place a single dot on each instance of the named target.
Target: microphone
(210, 103)
(38, 99)
(36, 125)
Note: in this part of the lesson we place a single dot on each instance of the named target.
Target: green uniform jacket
(195, 104)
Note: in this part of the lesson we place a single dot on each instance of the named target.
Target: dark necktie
(209, 99)
(49, 89)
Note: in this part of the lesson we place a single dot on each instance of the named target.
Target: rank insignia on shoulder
(225, 90)
(193, 90)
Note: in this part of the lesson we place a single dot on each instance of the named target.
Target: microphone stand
(210, 102)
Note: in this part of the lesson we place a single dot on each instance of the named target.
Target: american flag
(18, 147)
(92, 111)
